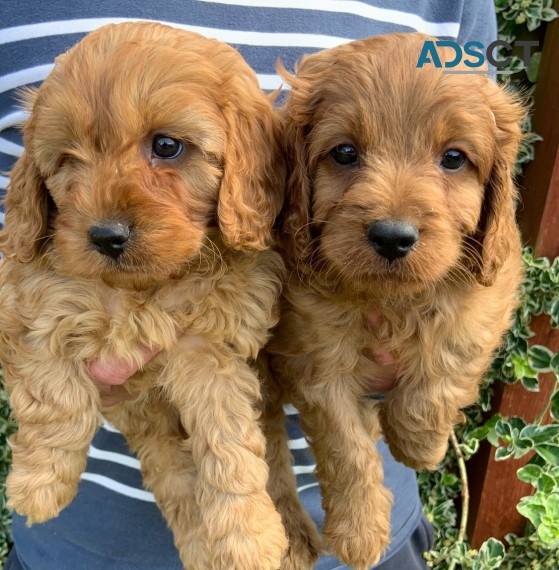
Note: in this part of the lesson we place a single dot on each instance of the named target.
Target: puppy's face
(135, 138)
(132, 159)
(398, 165)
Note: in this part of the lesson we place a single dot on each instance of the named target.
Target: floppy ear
(295, 217)
(497, 229)
(26, 206)
(252, 189)
(296, 115)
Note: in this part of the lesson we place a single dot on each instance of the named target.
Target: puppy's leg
(349, 468)
(421, 411)
(153, 432)
(303, 538)
(56, 406)
(217, 395)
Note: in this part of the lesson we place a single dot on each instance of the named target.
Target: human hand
(109, 376)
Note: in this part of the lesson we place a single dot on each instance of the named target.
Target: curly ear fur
(297, 115)
(251, 194)
(26, 204)
(497, 230)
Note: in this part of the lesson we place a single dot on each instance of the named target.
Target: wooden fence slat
(494, 487)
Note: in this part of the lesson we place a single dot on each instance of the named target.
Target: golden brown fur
(441, 309)
(195, 278)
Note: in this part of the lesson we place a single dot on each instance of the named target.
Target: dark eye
(166, 147)
(453, 159)
(345, 154)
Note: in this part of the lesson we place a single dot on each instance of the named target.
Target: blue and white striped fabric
(113, 523)
(107, 459)
(34, 33)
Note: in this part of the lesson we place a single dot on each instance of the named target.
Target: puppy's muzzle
(392, 238)
(109, 238)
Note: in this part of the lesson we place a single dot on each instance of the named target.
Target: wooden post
(495, 489)
(539, 214)
(494, 486)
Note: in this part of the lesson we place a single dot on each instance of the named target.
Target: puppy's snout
(392, 238)
(109, 238)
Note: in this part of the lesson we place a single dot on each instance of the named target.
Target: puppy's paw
(193, 551)
(252, 536)
(37, 496)
(417, 450)
(360, 532)
(426, 460)
(304, 546)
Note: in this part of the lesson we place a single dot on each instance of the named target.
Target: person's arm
(478, 22)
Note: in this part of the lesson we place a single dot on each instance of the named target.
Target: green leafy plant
(514, 438)
(528, 13)
(7, 427)
(445, 493)
(515, 19)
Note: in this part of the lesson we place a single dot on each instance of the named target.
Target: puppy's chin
(391, 281)
(128, 271)
(120, 276)
(140, 281)
(359, 268)
(147, 260)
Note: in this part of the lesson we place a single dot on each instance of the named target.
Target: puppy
(400, 236)
(140, 215)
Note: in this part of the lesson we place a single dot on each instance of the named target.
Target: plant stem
(543, 413)
(465, 492)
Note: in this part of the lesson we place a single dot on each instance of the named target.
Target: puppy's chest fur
(449, 335)
(66, 317)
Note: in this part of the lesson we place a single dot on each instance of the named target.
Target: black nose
(109, 238)
(392, 238)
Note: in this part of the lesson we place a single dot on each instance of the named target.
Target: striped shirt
(113, 523)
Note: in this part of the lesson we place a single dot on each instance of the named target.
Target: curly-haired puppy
(400, 215)
(140, 216)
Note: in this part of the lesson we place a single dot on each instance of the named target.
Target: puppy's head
(144, 143)
(400, 176)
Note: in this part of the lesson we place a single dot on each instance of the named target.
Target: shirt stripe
(303, 469)
(33, 31)
(119, 488)
(25, 77)
(8, 147)
(114, 457)
(356, 8)
(109, 427)
(290, 410)
(309, 486)
(300, 443)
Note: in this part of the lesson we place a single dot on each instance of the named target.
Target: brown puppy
(140, 216)
(400, 211)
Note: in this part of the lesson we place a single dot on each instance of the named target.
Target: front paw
(415, 449)
(358, 531)
(249, 534)
(304, 545)
(36, 495)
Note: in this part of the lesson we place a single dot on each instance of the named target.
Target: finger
(374, 317)
(384, 358)
(118, 370)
